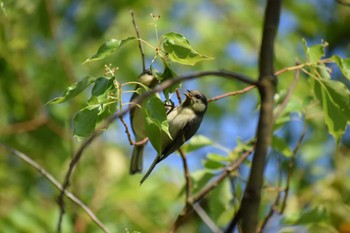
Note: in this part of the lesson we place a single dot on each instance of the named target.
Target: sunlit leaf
(197, 142)
(334, 97)
(73, 90)
(344, 65)
(85, 121)
(210, 164)
(178, 49)
(108, 48)
(313, 53)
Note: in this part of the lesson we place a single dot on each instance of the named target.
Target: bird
(184, 122)
(137, 123)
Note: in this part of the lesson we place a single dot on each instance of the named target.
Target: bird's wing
(185, 133)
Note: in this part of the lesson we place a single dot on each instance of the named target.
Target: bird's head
(196, 101)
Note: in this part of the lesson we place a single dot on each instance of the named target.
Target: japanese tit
(184, 122)
(137, 124)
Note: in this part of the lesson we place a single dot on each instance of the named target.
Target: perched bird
(184, 122)
(137, 124)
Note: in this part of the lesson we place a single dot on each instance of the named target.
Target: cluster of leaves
(333, 95)
(106, 93)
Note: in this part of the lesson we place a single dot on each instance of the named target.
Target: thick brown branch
(252, 195)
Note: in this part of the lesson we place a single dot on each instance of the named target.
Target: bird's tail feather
(150, 169)
(136, 162)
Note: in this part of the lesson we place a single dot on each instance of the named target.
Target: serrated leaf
(155, 121)
(73, 90)
(281, 146)
(343, 64)
(108, 48)
(197, 142)
(334, 97)
(313, 53)
(85, 121)
(178, 49)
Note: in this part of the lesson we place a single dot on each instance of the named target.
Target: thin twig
(55, 183)
(138, 143)
(187, 176)
(231, 93)
(139, 40)
(279, 111)
(274, 206)
(291, 165)
(206, 219)
(227, 171)
(178, 95)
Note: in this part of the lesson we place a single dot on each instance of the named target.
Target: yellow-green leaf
(108, 48)
(178, 49)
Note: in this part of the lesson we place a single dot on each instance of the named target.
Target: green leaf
(197, 142)
(217, 157)
(210, 164)
(178, 49)
(334, 97)
(281, 146)
(85, 121)
(155, 121)
(169, 73)
(314, 53)
(101, 90)
(73, 90)
(343, 64)
(102, 84)
(313, 216)
(220, 199)
(200, 179)
(108, 48)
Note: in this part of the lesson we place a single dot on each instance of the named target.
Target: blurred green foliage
(43, 44)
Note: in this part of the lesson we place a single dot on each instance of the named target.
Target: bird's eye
(197, 96)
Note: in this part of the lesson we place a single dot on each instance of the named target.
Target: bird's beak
(188, 94)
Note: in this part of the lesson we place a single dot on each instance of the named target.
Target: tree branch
(140, 43)
(233, 93)
(252, 195)
(55, 183)
(206, 219)
(187, 177)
